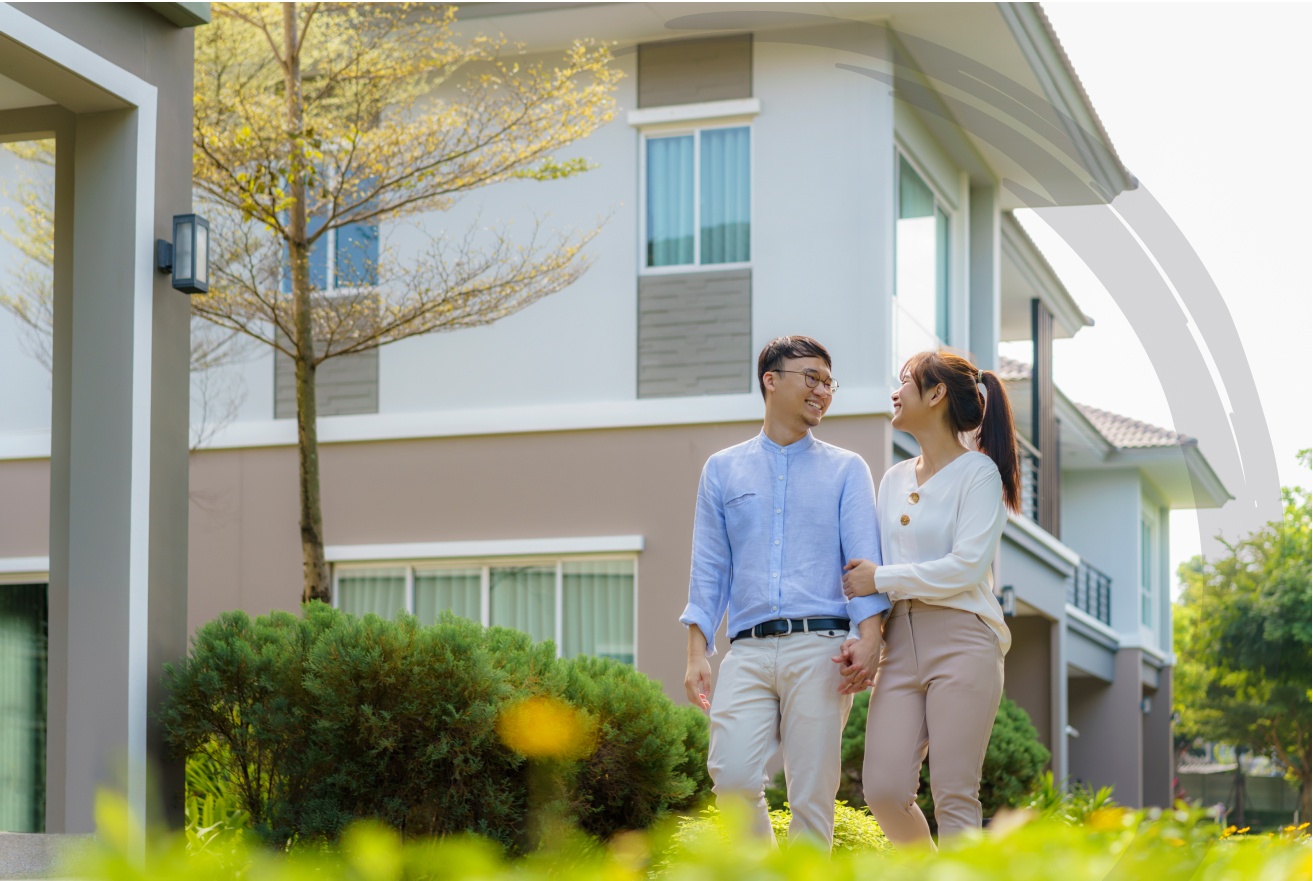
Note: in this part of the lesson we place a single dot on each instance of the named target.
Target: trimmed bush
(327, 719)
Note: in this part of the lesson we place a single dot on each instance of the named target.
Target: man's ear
(768, 380)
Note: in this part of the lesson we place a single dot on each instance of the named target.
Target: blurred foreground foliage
(1112, 843)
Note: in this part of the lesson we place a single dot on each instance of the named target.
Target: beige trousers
(937, 689)
(780, 692)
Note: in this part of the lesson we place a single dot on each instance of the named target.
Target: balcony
(1091, 591)
(1029, 479)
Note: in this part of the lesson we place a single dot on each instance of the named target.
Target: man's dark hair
(780, 349)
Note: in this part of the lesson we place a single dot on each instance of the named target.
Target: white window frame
(671, 130)
(486, 564)
(901, 153)
(1148, 567)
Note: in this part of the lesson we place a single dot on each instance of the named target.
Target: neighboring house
(1091, 657)
(93, 525)
(768, 173)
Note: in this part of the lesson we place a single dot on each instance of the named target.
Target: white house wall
(1101, 522)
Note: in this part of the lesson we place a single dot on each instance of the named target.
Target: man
(777, 518)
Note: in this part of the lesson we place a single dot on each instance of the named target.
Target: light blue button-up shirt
(774, 527)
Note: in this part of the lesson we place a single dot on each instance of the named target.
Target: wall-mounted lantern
(1007, 599)
(188, 256)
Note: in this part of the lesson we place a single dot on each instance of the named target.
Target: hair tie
(980, 377)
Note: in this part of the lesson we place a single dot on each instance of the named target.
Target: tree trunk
(314, 568)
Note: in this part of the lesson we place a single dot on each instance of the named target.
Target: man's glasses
(813, 379)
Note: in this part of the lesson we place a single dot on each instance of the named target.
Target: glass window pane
(22, 707)
(726, 195)
(380, 591)
(670, 201)
(524, 597)
(357, 255)
(456, 590)
(920, 277)
(597, 605)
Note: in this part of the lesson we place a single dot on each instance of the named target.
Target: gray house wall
(89, 715)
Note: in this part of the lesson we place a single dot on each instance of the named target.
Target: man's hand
(859, 578)
(858, 658)
(697, 675)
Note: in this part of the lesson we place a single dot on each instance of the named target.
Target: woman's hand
(859, 578)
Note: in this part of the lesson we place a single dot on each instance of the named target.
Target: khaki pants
(781, 692)
(937, 689)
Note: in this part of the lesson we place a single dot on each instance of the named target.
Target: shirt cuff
(889, 578)
(861, 608)
(694, 615)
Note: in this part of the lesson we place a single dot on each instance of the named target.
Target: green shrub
(634, 775)
(327, 719)
(1014, 762)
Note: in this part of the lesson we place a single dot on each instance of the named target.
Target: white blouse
(938, 540)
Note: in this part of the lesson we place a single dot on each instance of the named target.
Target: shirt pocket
(742, 512)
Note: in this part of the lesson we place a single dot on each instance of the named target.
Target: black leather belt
(785, 626)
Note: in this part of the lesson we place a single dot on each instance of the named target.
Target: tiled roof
(1120, 431)
(1128, 433)
(1011, 370)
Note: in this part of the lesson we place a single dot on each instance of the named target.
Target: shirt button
(904, 520)
(774, 608)
(777, 541)
(781, 477)
(779, 510)
(914, 498)
(775, 575)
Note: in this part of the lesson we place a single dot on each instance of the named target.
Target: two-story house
(843, 172)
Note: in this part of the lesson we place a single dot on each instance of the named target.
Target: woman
(940, 676)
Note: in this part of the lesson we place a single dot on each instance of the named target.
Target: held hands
(857, 660)
(859, 578)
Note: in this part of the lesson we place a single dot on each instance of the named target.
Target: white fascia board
(25, 566)
(677, 113)
(1038, 45)
(644, 413)
(1034, 531)
(514, 547)
(1092, 623)
(1080, 425)
(1019, 249)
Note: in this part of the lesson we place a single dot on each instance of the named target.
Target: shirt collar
(798, 446)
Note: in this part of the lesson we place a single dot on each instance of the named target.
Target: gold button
(904, 520)
(914, 498)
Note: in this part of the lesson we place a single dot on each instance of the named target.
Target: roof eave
(1044, 53)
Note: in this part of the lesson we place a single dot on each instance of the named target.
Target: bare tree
(312, 118)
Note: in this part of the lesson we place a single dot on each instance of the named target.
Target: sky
(1210, 106)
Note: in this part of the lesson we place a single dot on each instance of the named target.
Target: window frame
(943, 263)
(1147, 561)
(485, 565)
(694, 128)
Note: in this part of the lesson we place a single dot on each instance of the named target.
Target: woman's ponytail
(998, 438)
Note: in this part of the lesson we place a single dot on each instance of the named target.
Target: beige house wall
(245, 551)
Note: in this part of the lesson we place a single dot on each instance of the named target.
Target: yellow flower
(542, 727)
(1107, 819)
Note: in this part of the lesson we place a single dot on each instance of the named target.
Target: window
(698, 198)
(921, 258)
(351, 252)
(23, 635)
(586, 605)
(1146, 572)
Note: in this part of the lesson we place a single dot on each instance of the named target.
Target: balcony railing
(1091, 592)
(1029, 479)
